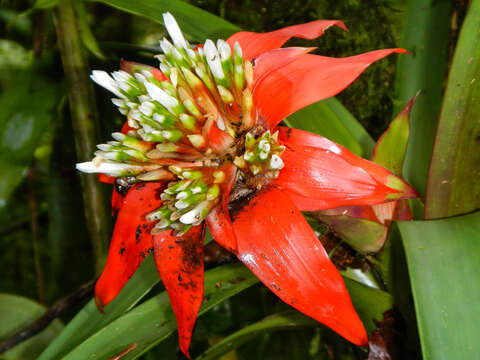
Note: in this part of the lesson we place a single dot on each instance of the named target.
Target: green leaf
(27, 109)
(18, 312)
(390, 149)
(38, 5)
(370, 303)
(89, 320)
(426, 34)
(153, 321)
(443, 258)
(332, 120)
(45, 4)
(13, 56)
(288, 320)
(10, 180)
(453, 185)
(196, 23)
(363, 276)
(353, 125)
(23, 25)
(363, 235)
(85, 33)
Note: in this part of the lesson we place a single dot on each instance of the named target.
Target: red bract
(263, 225)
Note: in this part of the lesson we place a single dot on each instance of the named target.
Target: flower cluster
(201, 146)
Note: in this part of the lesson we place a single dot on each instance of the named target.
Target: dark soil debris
(343, 256)
(237, 204)
(138, 232)
(192, 254)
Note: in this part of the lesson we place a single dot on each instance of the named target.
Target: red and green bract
(264, 229)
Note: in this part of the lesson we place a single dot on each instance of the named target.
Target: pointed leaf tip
(402, 188)
(390, 149)
(289, 260)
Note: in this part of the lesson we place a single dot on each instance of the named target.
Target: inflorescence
(185, 121)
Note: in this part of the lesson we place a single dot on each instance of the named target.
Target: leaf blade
(433, 250)
(453, 186)
(153, 320)
(198, 24)
(282, 321)
(426, 34)
(16, 313)
(329, 118)
(89, 320)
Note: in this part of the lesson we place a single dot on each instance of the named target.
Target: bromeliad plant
(202, 147)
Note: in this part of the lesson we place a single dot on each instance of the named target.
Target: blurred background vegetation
(45, 252)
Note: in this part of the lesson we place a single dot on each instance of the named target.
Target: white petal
(160, 95)
(146, 108)
(135, 114)
(264, 145)
(121, 75)
(176, 54)
(213, 59)
(124, 86)
(194, 215)
(174, 76)
(118, 136)
(237, 49)
(164, 68)
(104, 147)
(140, 77)
(147, 73)
(106, 167)
(174, 30)
(103, 79)
(191, 54)
(118, 102)
(159, 118)
(276, 162)
(263, 155)
(220, 123)
(143, 98)
(224, 50)
(166, 46)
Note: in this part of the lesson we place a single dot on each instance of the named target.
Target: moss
(369, 98)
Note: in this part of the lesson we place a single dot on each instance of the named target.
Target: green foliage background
(46, 253)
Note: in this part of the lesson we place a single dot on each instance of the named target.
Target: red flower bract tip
(200, 147)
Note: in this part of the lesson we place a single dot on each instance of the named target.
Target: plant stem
(32, 202)
(85, 126)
